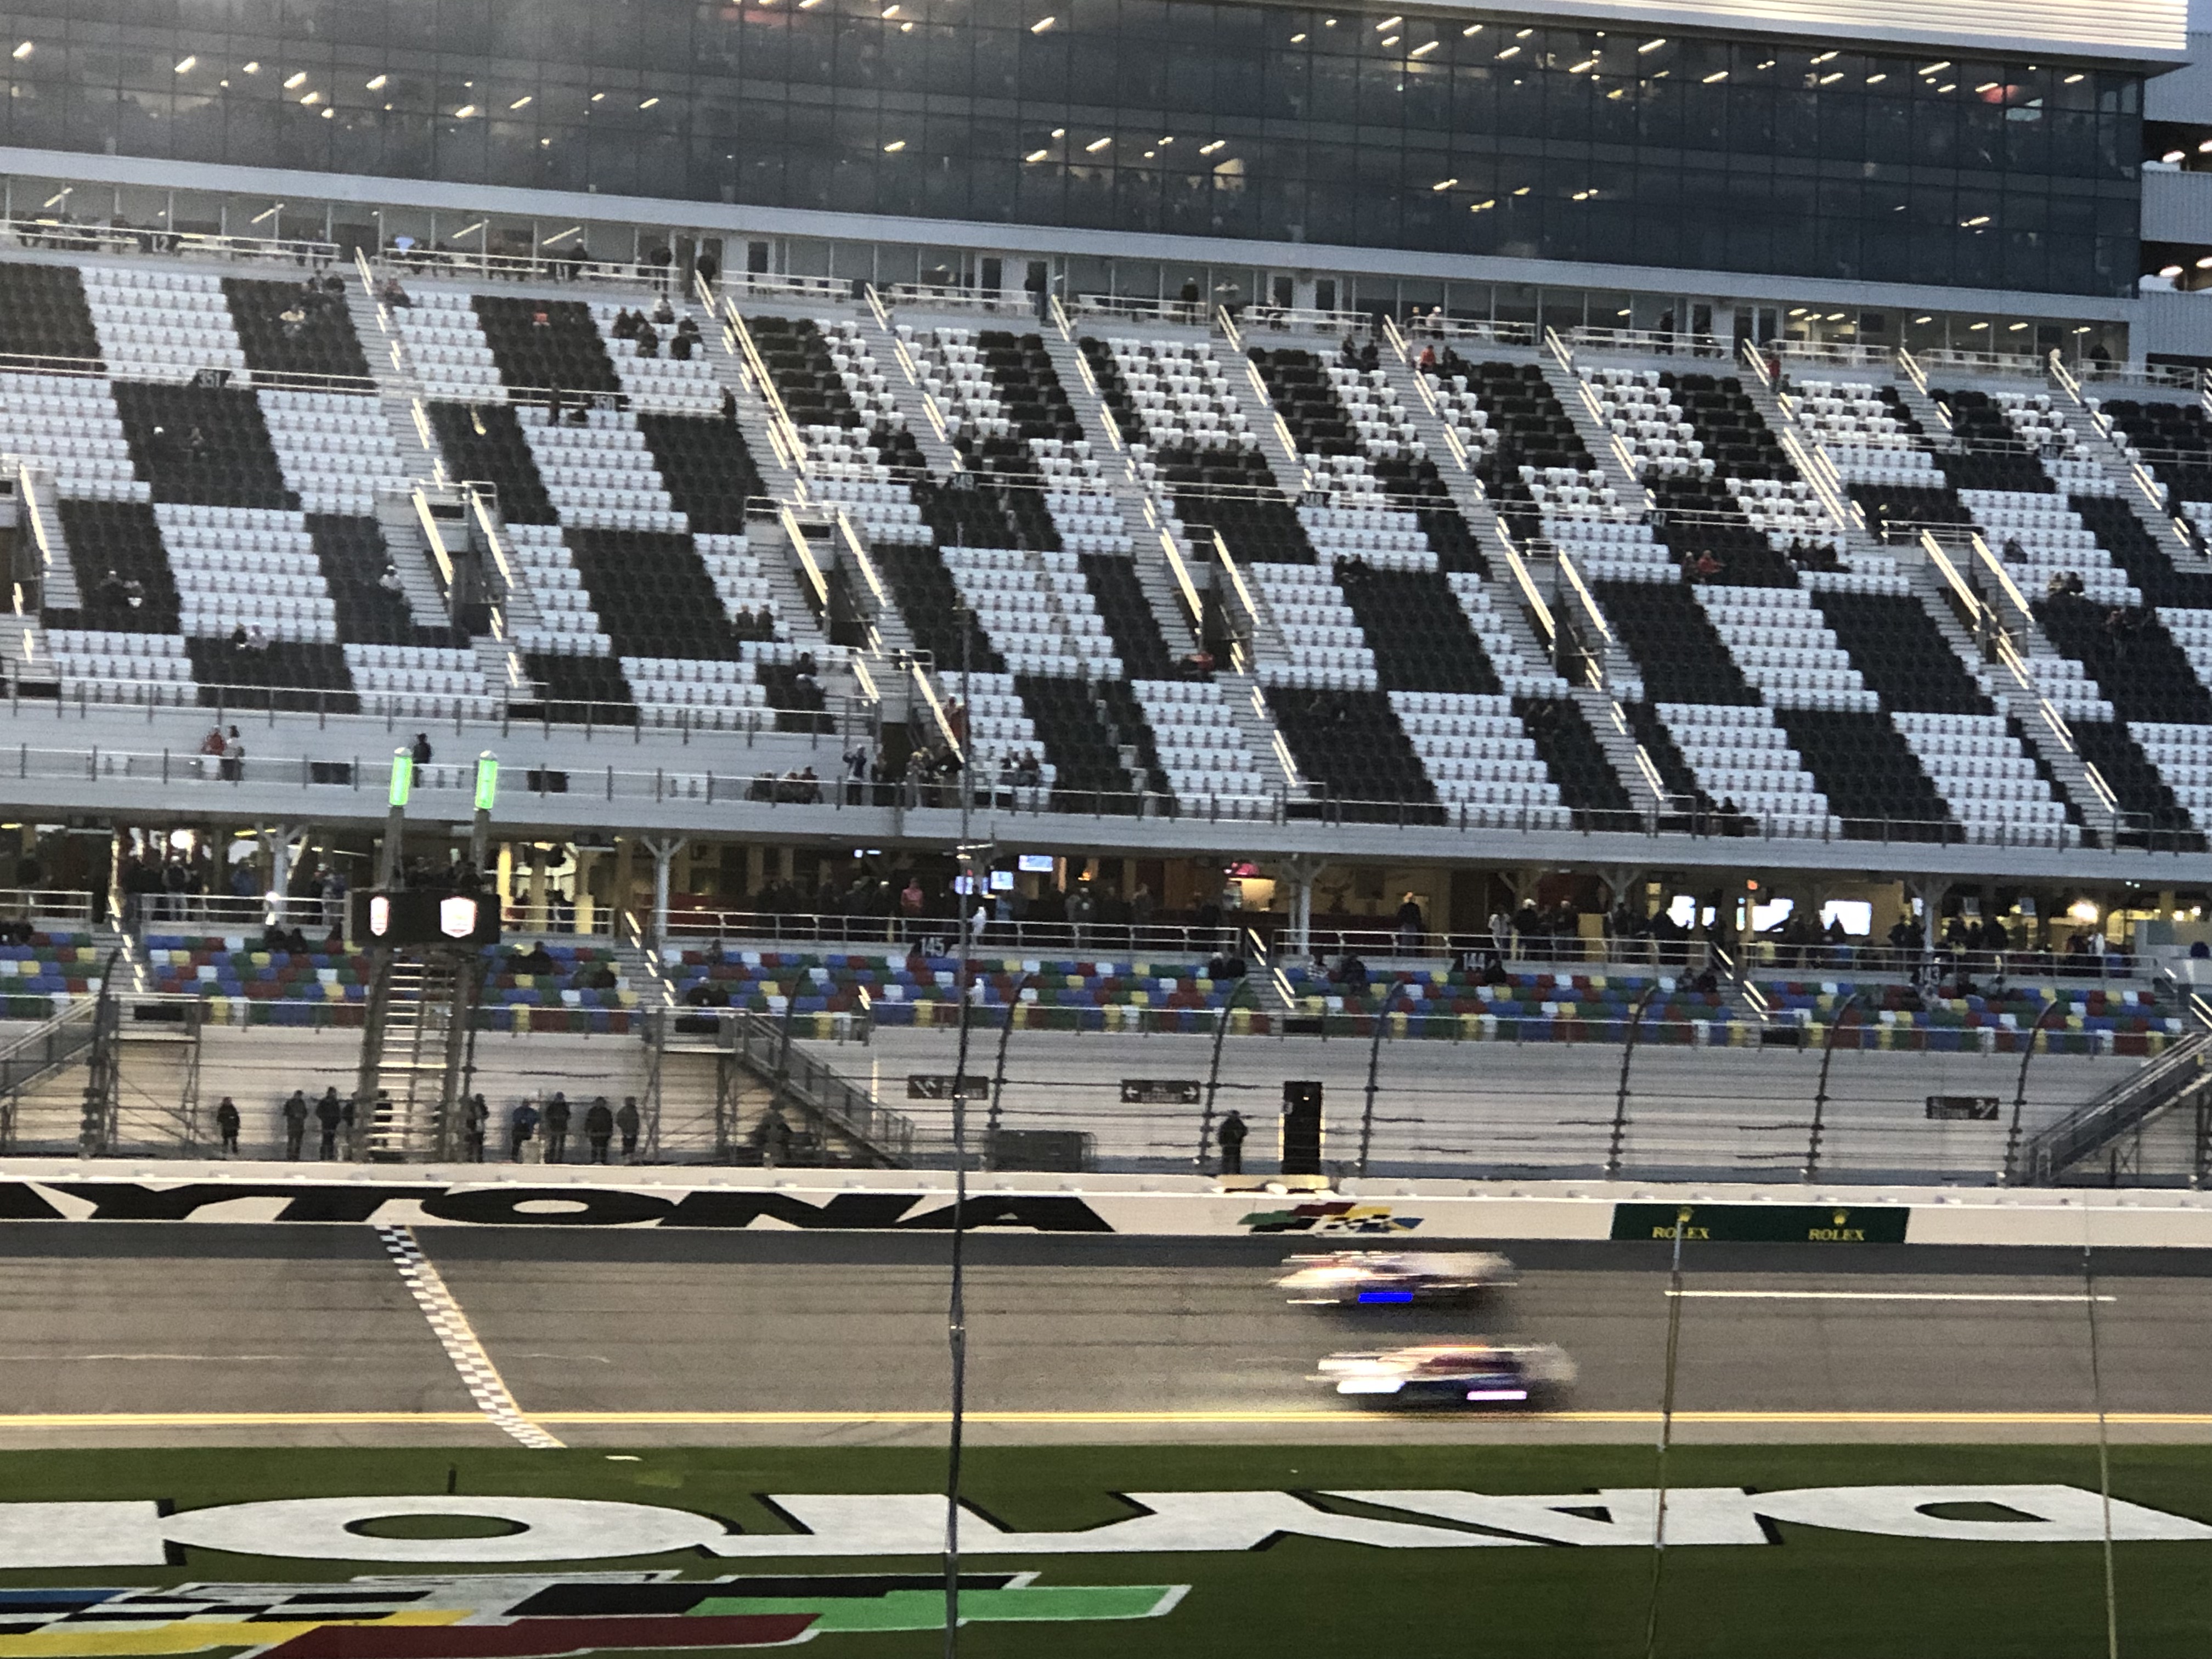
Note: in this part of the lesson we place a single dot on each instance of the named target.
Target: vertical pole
(1665, 1437)
(1374, 1065)
(2020, 1094)
(1614, 1149)
(1214, 1071)
(998, 1073)
(1821, 1095)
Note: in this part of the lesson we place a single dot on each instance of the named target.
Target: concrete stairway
(899, 365)
(1619, 746)
(397, 386)
(419, 584)
(753, 415)
(1249, 710)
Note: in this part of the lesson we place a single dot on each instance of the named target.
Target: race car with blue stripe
(1354, 1279)
(1452, 1375)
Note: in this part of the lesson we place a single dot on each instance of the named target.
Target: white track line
(2077, 1297)
(482, 1378)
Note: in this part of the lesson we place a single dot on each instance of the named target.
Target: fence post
(1820, 1094)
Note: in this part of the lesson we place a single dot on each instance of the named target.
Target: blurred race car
(1451, 1374)
(1347, 1278)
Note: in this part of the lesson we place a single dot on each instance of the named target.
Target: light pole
(1820, 1094)
(998, 1073)
(1374, 1064)
(1612, 1156)
(1214, 1071)
(2019, 1092)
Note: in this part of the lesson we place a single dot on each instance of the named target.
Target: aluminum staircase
(2067, 1148)
(417, 1004)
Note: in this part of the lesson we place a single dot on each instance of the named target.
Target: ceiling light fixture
(2077, 75)
(895, 147)
(2169, 271)
(522, 101)
(312, 99)
(1425, 48)
(185, 63)
(464, 111)
(1209, 150)
(1096, 145)
(297, 78)
(1388, 24)
(1932, 68)
(1392, 40)
(1037, 155)
(1510, 52)
(253, 68)
(377, 85)
(1652, 45)
(1298, 39)
(1042, 24)
(1717, 74)
(1825, 56)
(1444, 184)
(650, 102)
(1582, 68)
(1832, 74)
(1479, 207)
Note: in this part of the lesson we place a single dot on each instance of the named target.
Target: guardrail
(228, 913)
(31, 362)
(1431, 326)
(1646, 341)
(739, 929)
(70, 237)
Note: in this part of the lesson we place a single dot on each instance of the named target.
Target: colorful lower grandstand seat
(40, 979)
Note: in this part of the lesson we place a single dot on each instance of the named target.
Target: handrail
(1396, 337)
(2058, 1147)
(1311, 319)
(27, 494)
(1282, 427)
(480, 498)
(1237, 585)
(65, 234)
(817, 584)
(782, 431)
(1915, 374)
(1060, 321)
(763, 1044)
(1539, 611)
(1227, 325)
(1184, 587)
(859, 549)
(436, 542)
(943, 720)
(1284, 758)
(905, 358)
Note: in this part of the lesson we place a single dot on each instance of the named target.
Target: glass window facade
(1437, 134)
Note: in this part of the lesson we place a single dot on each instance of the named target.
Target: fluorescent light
(1042, 24)
(464, 111)
(253, 69)
(1832, 74)
(1876, 80)
(1582, 68)
(1471, 28)
(2016, 327)
(1522, 35)
(298, 78)
(597, 96)
(1209, 150)
(1480, 206)
(1978, 219)
(1932, 68)
(1523, 191)
(650, 102)
(1923, 319)
(2077, 76)
(185, 63)
(1096, 145)
(1298, 38)
(1037, 155)
(2205, 263)
(1510, 52)
(1824, 57)
(1835, 316)
(377, 85)
(522, 101)
(1426, 47)
(1976, 328)
(311, 100)
(265, 213)
(2169, 271)
(1652, 45)
(895, 147)
(23, 51)
(1388, 24)
(1717, 74)
(1391, 40)
(328, 112)
(1444, 184)
(1583, 195)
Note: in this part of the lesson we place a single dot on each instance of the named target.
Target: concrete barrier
(1355, 1215)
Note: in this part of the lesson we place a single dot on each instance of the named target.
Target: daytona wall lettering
(513, 1206)
(138, 1533)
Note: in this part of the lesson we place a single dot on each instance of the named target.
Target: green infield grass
(1815, 1594)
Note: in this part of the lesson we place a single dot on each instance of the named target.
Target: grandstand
(1498, 601)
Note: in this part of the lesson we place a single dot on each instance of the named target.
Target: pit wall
(1369, 1215)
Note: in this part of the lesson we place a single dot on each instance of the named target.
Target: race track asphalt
(307, 1335)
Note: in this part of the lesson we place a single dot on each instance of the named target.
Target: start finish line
(143, 1532)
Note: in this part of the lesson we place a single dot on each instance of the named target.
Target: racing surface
(792, 1339)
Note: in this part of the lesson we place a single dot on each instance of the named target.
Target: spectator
(1231, 1136)
(226, 1124)
(772, 1135)
(627, 1120)
(1412, 925)
(473, 1128)
(295, 1123)
(233, 757)
(389, 582)
(421, 749)
(556, 1127)
(599, 1129)
(330, 1112)
(522, 1129)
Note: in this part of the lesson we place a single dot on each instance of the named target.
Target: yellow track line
(1164, 1419)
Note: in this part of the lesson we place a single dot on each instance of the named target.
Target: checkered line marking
(481, 1377)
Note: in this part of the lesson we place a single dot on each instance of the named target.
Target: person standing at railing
(599, 1129)
(1231, 1137)
(1411, 925)
(330, 1112)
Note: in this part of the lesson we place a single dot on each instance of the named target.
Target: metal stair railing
(2127, 1104)
(763, 1046)
(38, 1055)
